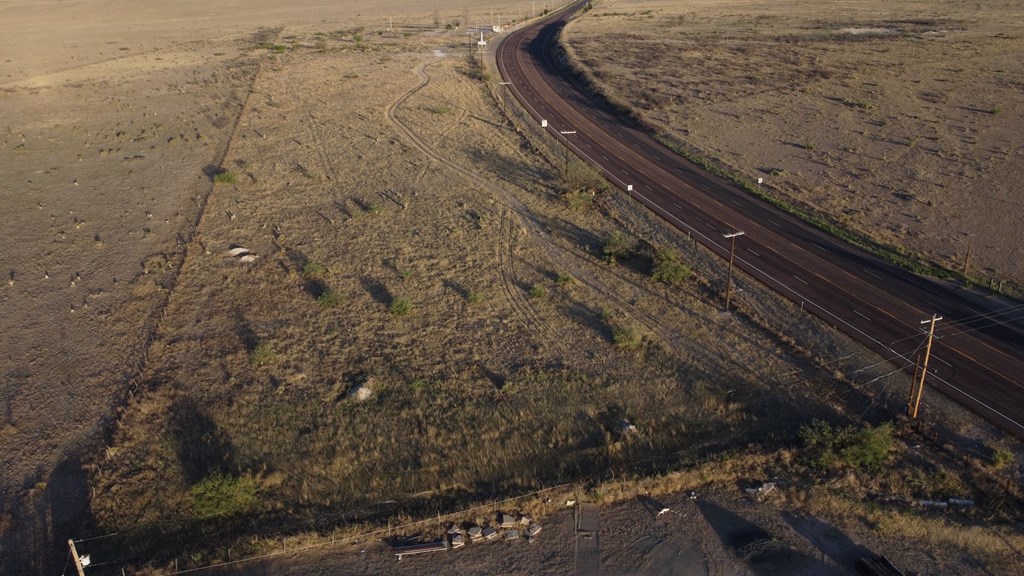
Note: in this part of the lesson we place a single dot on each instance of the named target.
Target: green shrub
(617, 246)
(827, 448)
(330, 299)
(538, 291)
(868, 448)
(627, 337)
(226, 177)
(261, 355)
(580, 178)
(223, 495)
(474, 297)
(400, 306)
(565, 280)
(579, 199)
(1002, 458)
(668, 268)
(313, 270)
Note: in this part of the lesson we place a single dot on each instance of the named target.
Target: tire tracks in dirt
(575, 264)
(521, 307)
(326, 162)
(506, 251)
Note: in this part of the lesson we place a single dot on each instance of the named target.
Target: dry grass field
(290, 276)
(900, 121)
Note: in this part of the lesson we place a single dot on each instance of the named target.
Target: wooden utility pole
(501, 92)
(565, 134)
(913, 385)
(78, 560)
(732, 253)
(927, 356)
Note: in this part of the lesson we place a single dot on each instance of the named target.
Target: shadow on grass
(245, 333)
(829, 540)
(457, 288)
(755, 546)
(498, 380)
(377, 290)
(202, 448)
(591, 318)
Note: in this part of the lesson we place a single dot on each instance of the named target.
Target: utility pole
(732, 253)
(927, 356)
(913, 385)
(565, 134)
(79, 565)
(504, 106)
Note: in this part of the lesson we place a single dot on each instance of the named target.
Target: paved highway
(978, 356)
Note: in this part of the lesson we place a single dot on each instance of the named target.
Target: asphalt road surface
(977, 357)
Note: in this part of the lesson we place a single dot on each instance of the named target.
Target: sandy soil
(902, 121)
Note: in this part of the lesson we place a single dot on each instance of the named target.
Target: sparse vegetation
(581, 183)
(1002, 458)
(223, 495)
(627, 336)
(618, 246)
(669, 269)
(474, 297)
(579, 199)
(330, 299)
(262, 355)
(828, 448)
(401, 305)
(313, 270)
(226, 177)
(538, 291)
(565, 280)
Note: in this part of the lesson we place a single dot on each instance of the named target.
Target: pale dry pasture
(901, 122)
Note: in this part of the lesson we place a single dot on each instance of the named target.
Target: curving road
(978, 355)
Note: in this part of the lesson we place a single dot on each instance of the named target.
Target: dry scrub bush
(222, 495)
(668, 268)
(401, 305)
(827, 448)
(618, 246)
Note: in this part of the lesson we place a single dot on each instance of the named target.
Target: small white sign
(760, 181)
(543, 123)
(629, 187)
